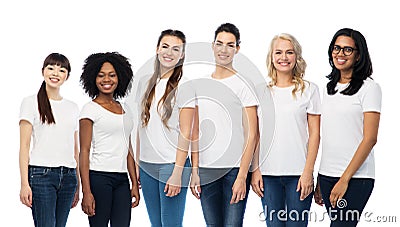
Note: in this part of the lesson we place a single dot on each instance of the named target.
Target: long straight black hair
(45, 112)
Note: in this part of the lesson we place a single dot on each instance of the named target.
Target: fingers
(196, 190)
(135, 201)
(172, 190)
(258, 188)
(334, 199)
(88, 207)
(237, 197)
(26, 200)
(76, 200)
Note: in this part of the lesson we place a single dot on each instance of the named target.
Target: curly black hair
(92, 67)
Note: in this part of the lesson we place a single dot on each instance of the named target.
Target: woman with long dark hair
(49, 179)
(166, 115)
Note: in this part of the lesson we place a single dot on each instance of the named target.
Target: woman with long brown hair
(167, 107)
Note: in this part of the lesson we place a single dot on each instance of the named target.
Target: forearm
(370, 131)
(358, 159)
(250, 126)
(255, 163)
(131, 166)
(23, 165)
(313, 144)
(247, 157)
(84, 171)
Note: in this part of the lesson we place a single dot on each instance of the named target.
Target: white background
(30, 30)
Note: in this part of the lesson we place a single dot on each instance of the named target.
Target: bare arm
(250, 135)
(25, 132)
(306, 181)
(137, 157)
(85, 140)
(257, 183)
(76, 156)
(173, 185)
(370, 131)
(132, 175)
(195, 178)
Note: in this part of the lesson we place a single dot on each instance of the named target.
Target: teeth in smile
(107, 86)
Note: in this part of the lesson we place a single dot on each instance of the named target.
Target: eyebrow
(283, 50)
(179, 46)
(218, 41)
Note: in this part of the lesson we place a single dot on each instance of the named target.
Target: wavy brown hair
(45, 112)
(298, 70)
(164, 106)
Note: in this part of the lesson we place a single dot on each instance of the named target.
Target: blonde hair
(299, 68)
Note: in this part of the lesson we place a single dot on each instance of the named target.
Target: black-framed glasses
(347, 51)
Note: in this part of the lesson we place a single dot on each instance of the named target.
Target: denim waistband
(59, 168)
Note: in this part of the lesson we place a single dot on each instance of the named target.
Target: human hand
(173, 185)
(257, 183)
(88, 204)
(135, 195)
(25, 195)
(195, 185)
(238, 190)
(338, 192)
(305, 185)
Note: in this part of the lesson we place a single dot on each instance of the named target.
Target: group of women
(206, 134)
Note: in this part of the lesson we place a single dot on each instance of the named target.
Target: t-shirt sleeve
(186, 95)
(372, 99)
(76, 115)
(248, 95)
(314, 105)
(88, 112)
(27, 110)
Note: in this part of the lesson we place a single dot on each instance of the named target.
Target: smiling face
(283, 56)
(107, 79)
(225, 48)
(55, 75)
(170, 51)
(342, 62)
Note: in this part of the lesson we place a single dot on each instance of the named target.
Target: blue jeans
(281, 203)
(348, 210)
(112, 195)
(216, 196)
(163, 210)
(53, 190)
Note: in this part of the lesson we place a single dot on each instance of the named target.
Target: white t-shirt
(221, 104)
(158, 144)
(110, 138)
(342, 128)
(288, 152)
(52, 144)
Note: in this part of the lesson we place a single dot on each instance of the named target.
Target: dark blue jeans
(112, 196)
(348, 211)
(163, 211)
(53, 190)
(216, 195)
(281, 203)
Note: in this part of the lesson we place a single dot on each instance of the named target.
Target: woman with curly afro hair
(106, 155)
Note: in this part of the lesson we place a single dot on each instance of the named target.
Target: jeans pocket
(38, 171)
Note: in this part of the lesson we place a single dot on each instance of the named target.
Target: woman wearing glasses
(228, 125)
(284, 179)
(350, 120)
